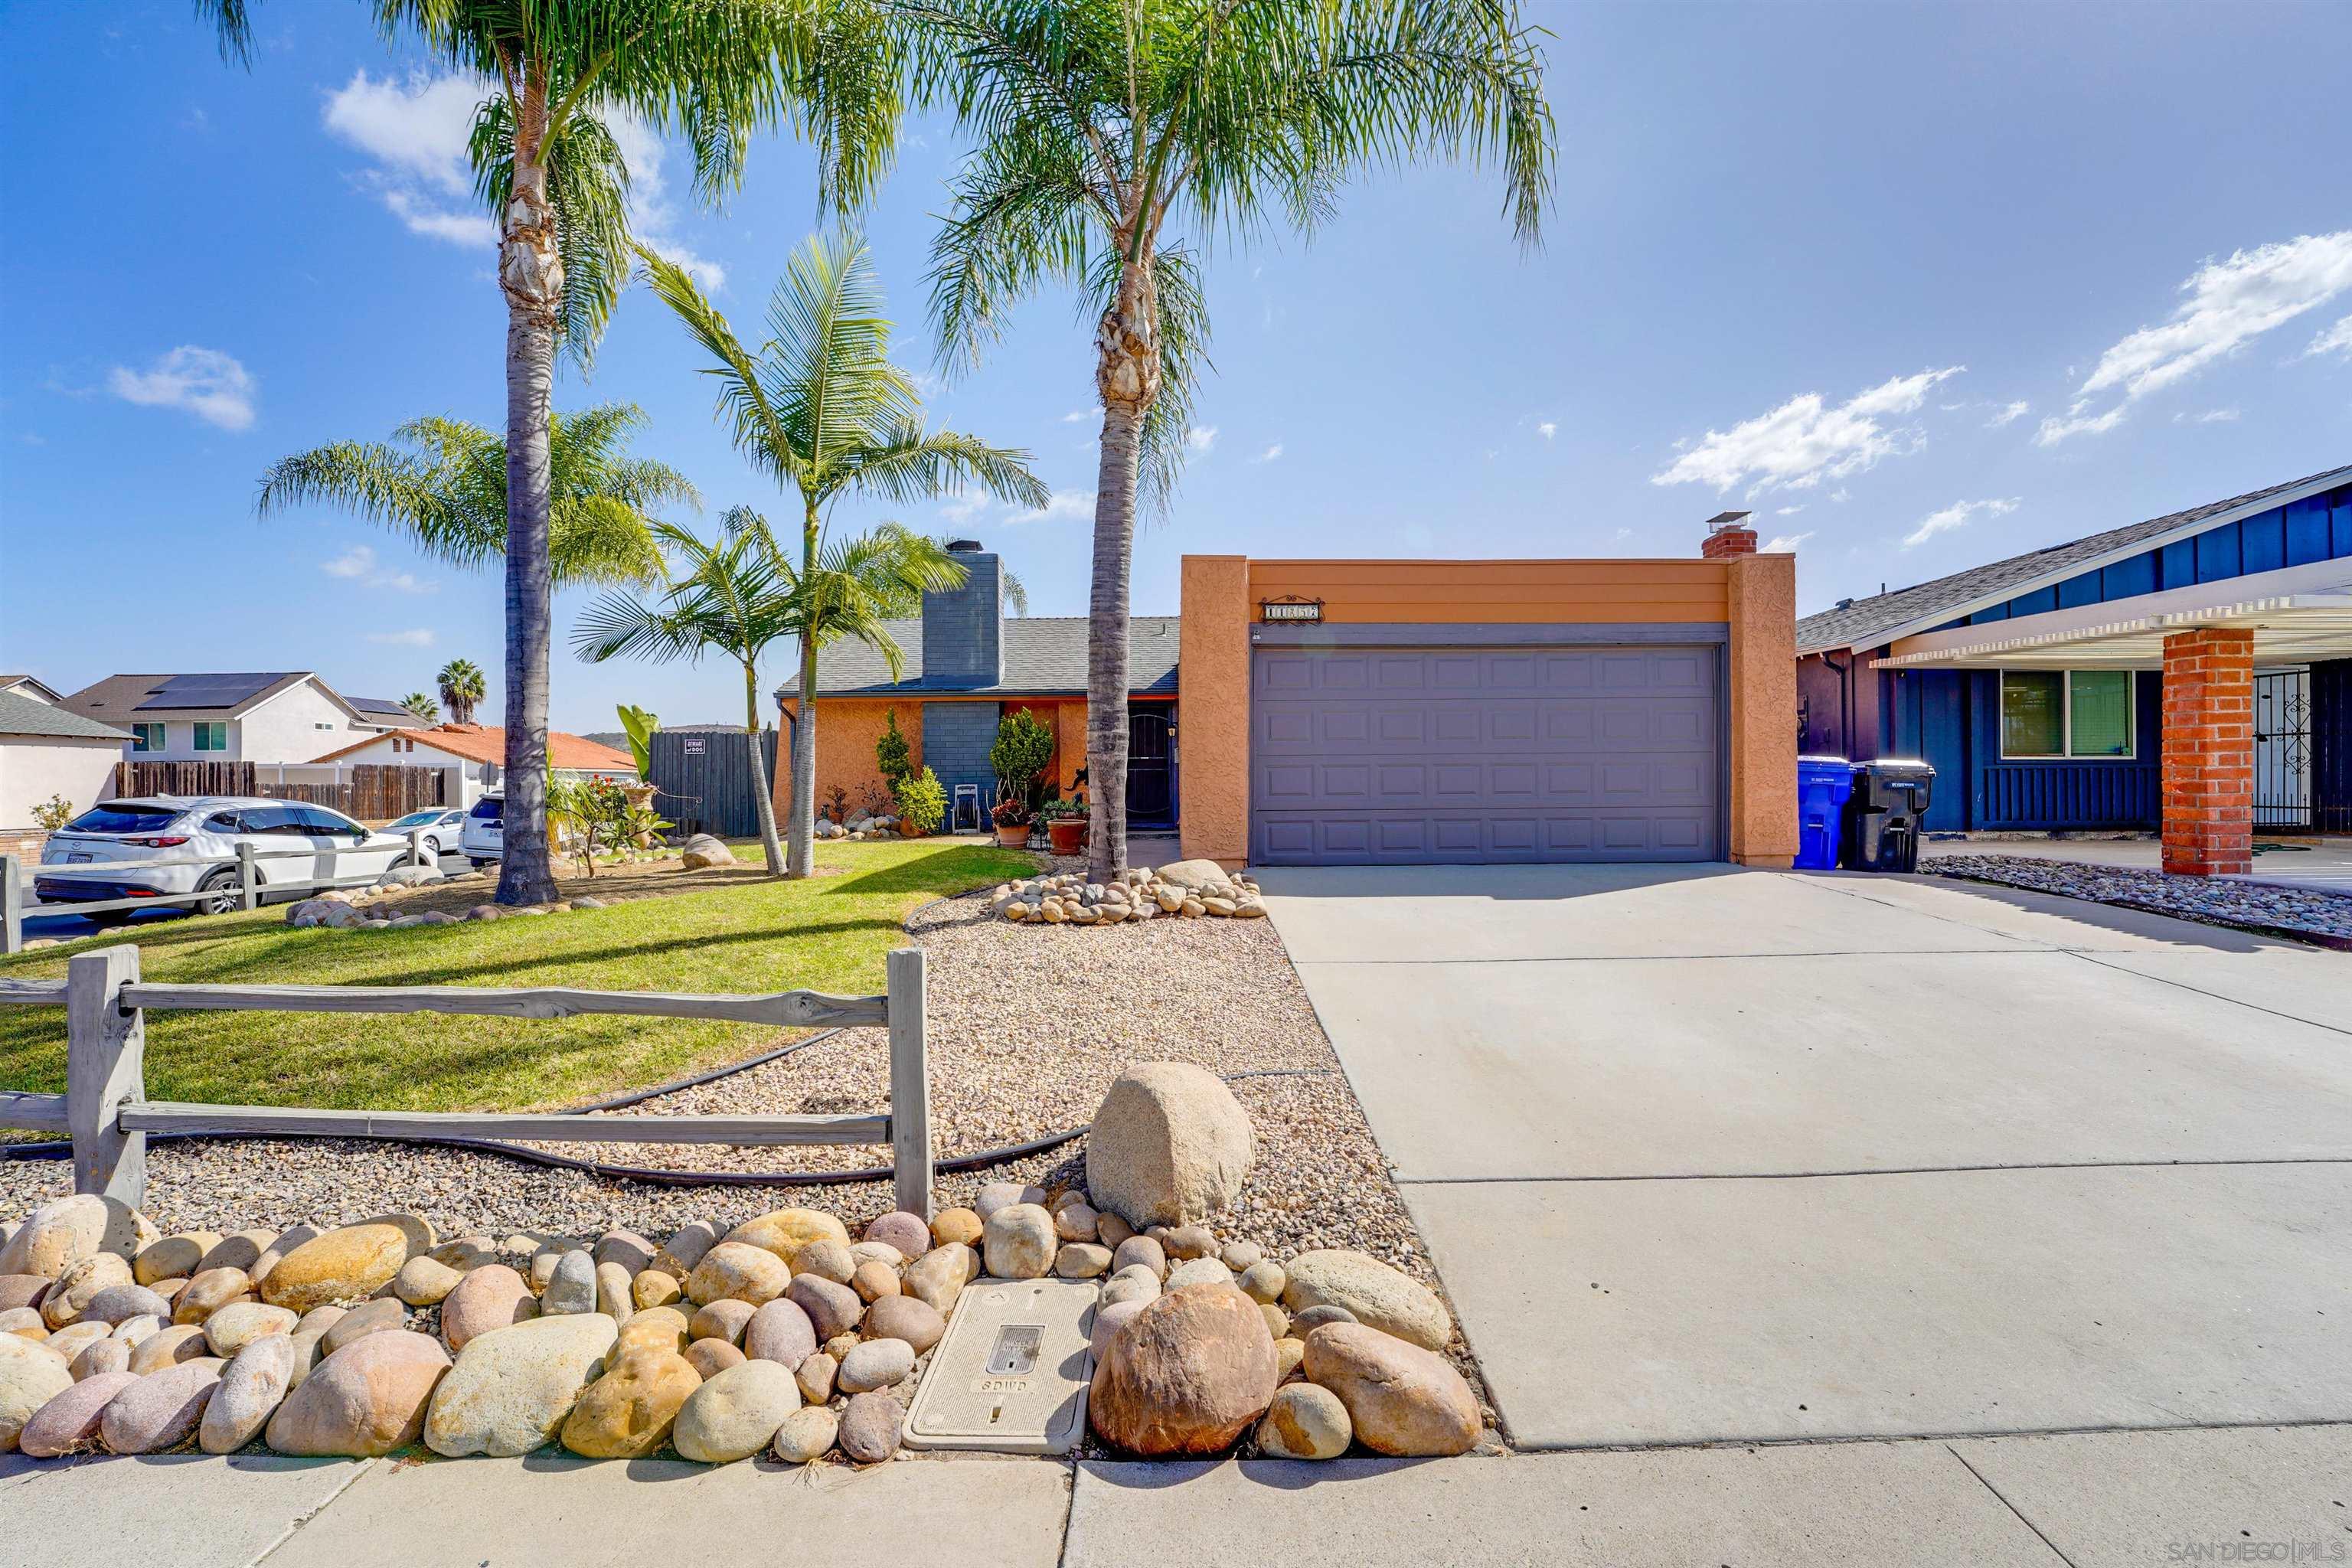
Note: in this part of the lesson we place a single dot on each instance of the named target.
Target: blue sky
(1919, 286)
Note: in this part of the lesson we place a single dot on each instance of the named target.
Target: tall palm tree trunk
(530, 273)
(1127, 376)
(761, 801)
(801, 857)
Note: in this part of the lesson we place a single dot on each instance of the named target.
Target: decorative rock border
(859, 826)
(354, 908)
(1189, 889)
(2310, 915)
(778, 1335)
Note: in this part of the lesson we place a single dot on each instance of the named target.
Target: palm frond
(759, 427)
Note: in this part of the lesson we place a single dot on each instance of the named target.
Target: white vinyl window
(212, 734)
(148, 737)
(2068, 714)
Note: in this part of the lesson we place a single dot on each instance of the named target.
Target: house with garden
(2190, 673)
(264, 716)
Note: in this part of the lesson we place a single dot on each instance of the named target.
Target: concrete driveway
(1706, 1154)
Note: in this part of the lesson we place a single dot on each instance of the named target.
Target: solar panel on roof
(376, 705)
(209, 691)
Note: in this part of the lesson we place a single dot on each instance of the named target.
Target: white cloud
(1624, 533)
(1061, 506)
(2011, 413)
(1805, 440)
(1787, 511)
(1784, 544)
(360, 563)
(1548, 429)
(2229, 304)
(2056, 428)
(1201, 437)
(1955, 515)
(208, 384)
(1272, 454)
(1077, 415)
(416, 133)
(415, 636)
(2335, 340)
(965, 506)
(2210, 417)
(1841, 495)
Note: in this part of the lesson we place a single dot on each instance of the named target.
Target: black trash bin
(1884, 815)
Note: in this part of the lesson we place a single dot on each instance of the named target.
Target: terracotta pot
(1013, 834)
(1066, 834)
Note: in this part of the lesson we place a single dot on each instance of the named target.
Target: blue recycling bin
(1823, 785)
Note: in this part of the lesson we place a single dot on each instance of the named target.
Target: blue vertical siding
(1951, 719)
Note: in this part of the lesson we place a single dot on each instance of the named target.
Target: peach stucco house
(1379, 712)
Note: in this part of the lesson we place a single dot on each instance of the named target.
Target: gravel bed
(1028, 1027)
(2321, 917)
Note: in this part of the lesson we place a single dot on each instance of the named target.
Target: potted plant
(922, 803)
(1013, 818)
(1065, 826)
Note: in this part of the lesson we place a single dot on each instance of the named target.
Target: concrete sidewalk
(2091, 1500)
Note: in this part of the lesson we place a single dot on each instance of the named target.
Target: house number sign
(1290, 609)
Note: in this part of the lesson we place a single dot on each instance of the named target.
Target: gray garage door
(1392, 756)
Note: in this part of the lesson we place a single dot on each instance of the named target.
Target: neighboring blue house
(2034, 685)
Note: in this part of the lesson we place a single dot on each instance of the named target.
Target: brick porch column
(2209, 751)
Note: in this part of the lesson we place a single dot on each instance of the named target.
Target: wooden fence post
(249, 878)
(106, 1066)
(910, 1083)
(12, 905)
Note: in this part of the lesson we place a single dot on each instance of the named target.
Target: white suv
(483, 838)
(201, 835)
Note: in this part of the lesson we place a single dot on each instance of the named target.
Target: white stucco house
(269, 716)
(473, 754)
(47, 751)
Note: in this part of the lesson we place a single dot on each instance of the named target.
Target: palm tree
(461, 686)
(422, 704)
(556, 74)
(823, 411)
(741, 593)
(442, 485)
(1098, 119)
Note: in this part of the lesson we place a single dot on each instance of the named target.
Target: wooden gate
(704, 780)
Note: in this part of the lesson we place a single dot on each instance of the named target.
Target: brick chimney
(1727, 534)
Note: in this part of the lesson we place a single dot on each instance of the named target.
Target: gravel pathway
(2249, 906)
(1029, 1025)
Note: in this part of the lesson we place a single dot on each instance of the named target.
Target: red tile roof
(487, 743)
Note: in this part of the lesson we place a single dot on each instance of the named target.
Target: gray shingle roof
(1043, 656)
(29, 716)
(1865, 623)
(118, 696)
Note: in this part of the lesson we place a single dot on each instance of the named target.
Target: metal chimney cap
(1722, 520)
(964, 546)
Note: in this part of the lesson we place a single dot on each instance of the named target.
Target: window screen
(2102, 713)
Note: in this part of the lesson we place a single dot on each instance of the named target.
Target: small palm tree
(1114, 137)
(822, 410)
(422, 704)
(739, 594)
(557, 74)
(462, 686)
(442, 485)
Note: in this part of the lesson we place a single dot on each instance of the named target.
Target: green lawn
(828, 933)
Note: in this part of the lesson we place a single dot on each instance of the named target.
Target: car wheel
(223, 882)
(432, 850)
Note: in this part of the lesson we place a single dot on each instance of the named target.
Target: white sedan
(199, 836)
(441, 825)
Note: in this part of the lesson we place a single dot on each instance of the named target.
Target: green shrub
(891, 755)
(1022, 748)
(922, 803)
(53, 812)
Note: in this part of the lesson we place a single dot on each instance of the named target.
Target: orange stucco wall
(1754, 596)
(1763, 616)
(848, 727)
(1215, 738)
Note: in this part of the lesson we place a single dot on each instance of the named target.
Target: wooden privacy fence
(106, 1112)
(377, 791)
(247, 889)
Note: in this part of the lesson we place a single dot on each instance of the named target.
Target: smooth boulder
(1306, 1421)
(365, 1400)
(627, 1414)
(344, 1264)
(939, 1276)
(1404, 1401)
(740, 1270)
(875, 1365)
(780, 1331)
(735, 1414)
(63, 1231)
(68, 1422)
(833, 1310)
(494, 1296)
(1171, 1146)
(1374, 1294)
(1018, 1242)
(30, 1376)
(252, 1386)
(162, 1411)
(807, 1434)
(870, 1428)
(905, 1318)
(1191, 1372)
(512, 1388)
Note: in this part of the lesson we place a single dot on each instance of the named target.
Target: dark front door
(1150, 768)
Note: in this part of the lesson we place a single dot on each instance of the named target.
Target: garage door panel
(1400, 756)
